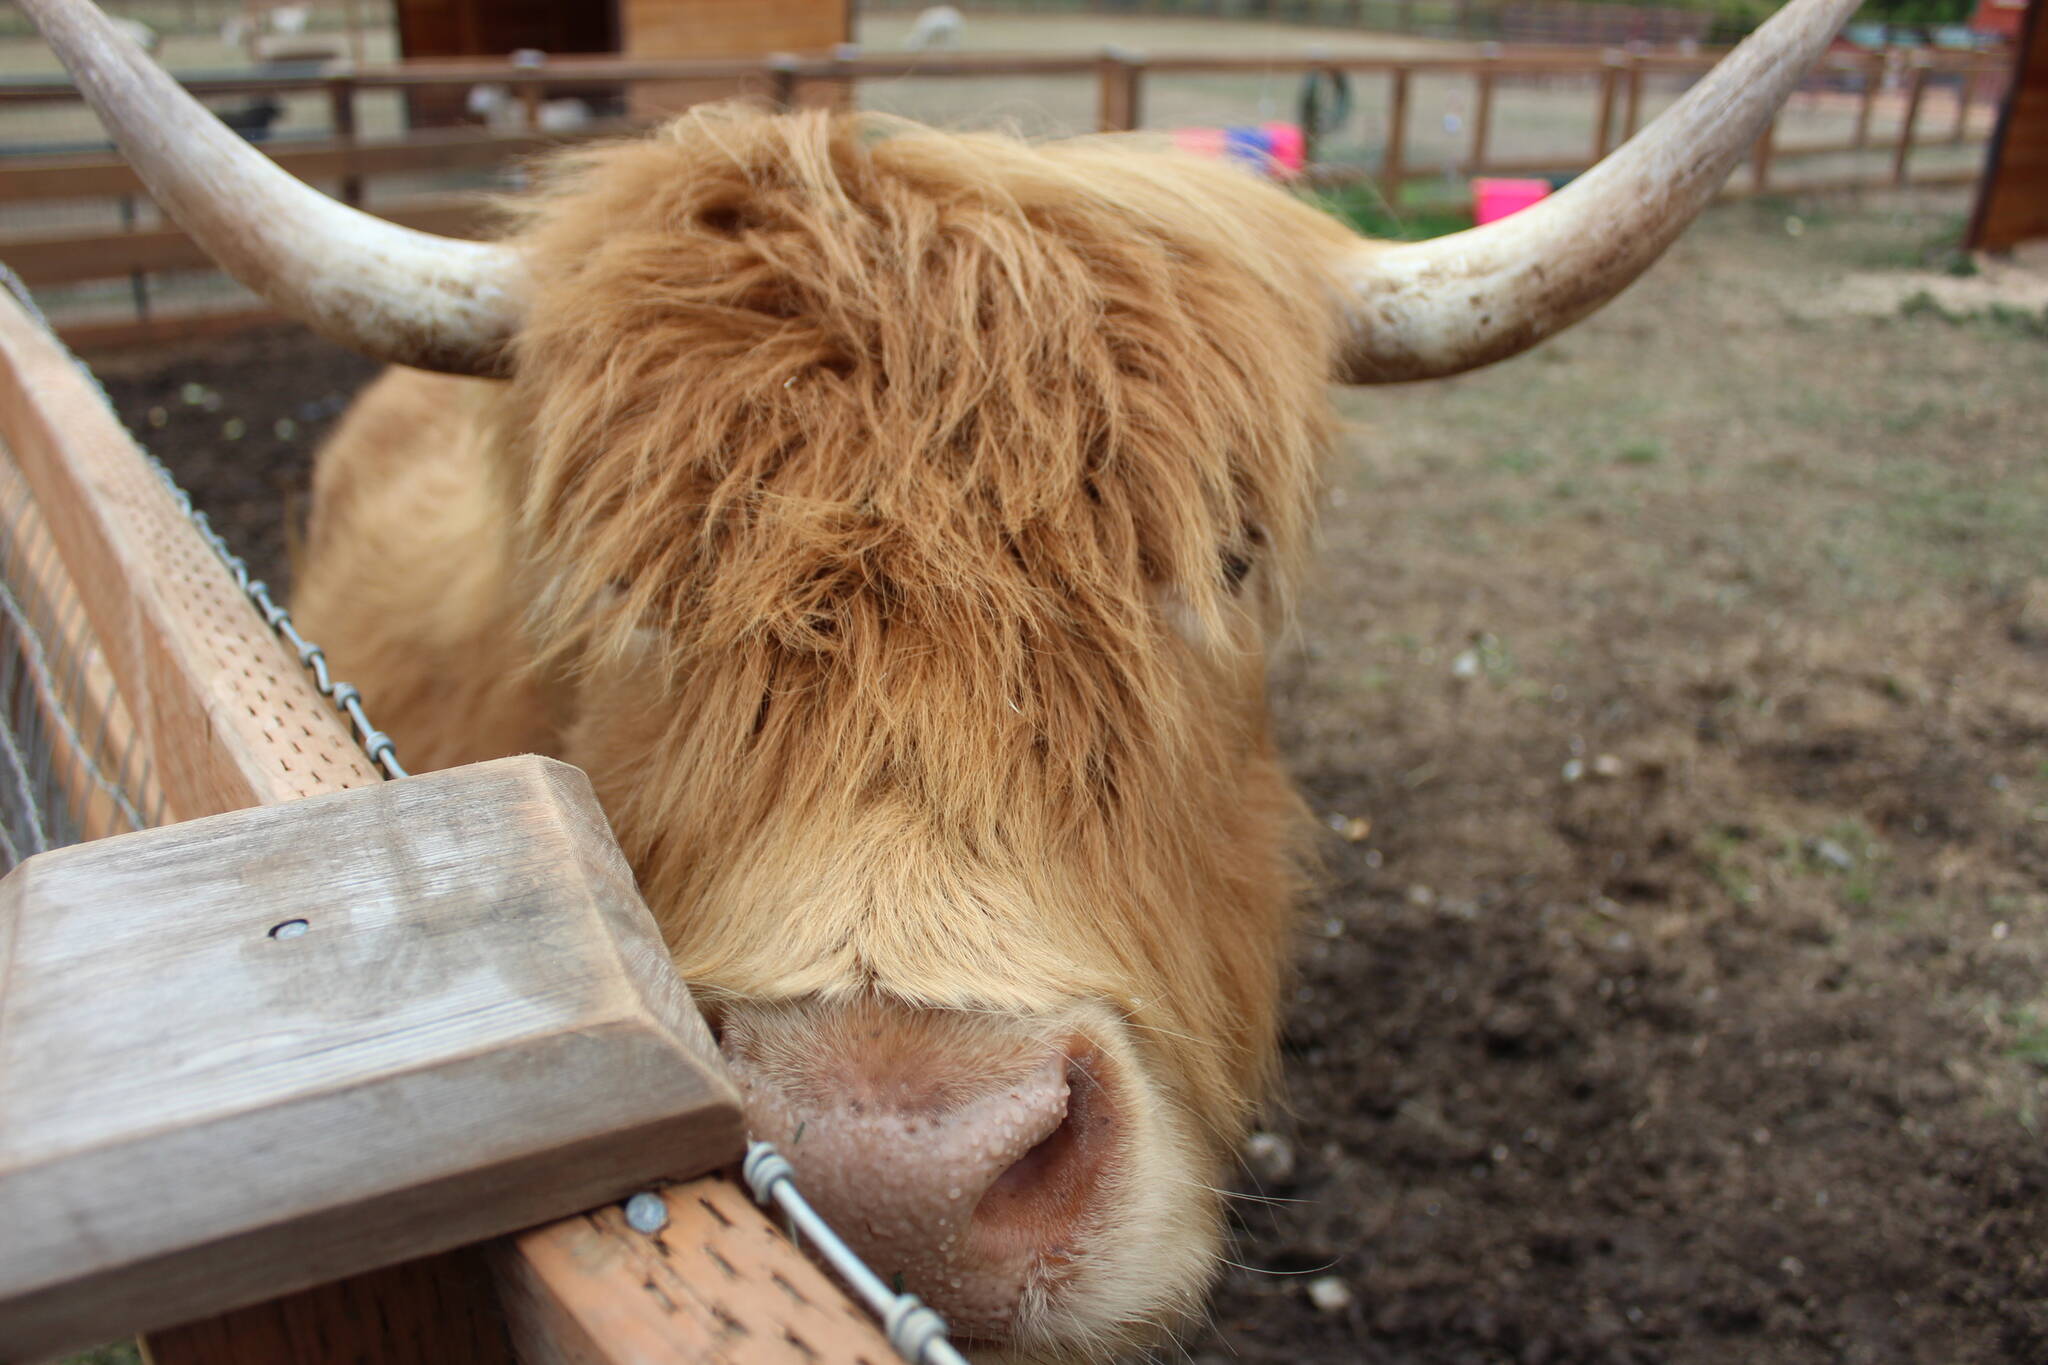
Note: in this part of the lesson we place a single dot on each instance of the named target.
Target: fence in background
(82, 216)
(1515, 21)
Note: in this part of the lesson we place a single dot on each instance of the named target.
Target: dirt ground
(1678, 696)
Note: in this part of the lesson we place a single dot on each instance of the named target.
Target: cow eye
(1236, 568)
(1240, 559)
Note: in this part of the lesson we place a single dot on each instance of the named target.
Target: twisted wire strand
(914, 1329)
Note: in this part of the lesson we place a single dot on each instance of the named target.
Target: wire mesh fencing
(70, 765)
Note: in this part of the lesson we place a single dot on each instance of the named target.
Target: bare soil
(1679, 694)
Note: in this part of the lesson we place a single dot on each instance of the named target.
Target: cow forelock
(858, 464)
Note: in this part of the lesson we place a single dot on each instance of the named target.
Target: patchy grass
(2031, 1044)
(1367, 211)
(119, 1353)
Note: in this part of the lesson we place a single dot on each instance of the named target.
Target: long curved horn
(1422, 310)
(410, 297)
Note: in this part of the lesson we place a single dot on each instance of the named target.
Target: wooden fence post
(1610, 87)
(1873, 77)
(1482, 116)
(1632, 100)
(1393, 169)
(782, 81)
(1916, 88)
(341, 103)
(1760, 156)
(1121, 74)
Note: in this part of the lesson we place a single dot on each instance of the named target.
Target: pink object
(1495, 199)
(1207, 142)
(1290, 149)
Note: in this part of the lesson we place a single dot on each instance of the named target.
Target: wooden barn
(681, 29)
(2012, 198)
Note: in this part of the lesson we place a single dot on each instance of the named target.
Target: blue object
(1254, 146)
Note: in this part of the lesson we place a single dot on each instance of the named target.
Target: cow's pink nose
(962, 1158)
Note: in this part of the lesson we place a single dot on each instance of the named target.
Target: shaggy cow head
(911, 508)
(906, 513)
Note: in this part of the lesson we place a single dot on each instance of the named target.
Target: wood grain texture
(228, 716)
(2012, 199)
(711, 29)
(478, 1030)
(438, 1310)
(719, 1284)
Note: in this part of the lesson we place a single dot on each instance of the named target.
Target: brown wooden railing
(354, 165)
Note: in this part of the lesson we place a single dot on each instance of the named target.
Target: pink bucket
(1495, 199)
(1290, 151)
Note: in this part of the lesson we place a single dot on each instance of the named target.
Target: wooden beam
(718, 1284)
(430, 150)
(1866, 105)
(65, 259)
(1916, 90)
(1482, 119)
(249, 1054)
(435, 1310)
(2012, 198)
(107, 335)
(1119, 107)
(1394, 166)
(341, 116)
(1603, 112)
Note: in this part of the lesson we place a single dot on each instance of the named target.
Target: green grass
(2031, 1046)
(119, 1353)
(1519, 461)
(1367, 211)
(1998, 317)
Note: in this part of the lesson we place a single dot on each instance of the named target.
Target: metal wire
(344, 695)
(54, 776)
(915, 1330)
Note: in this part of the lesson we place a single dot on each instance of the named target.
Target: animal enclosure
(1795, 612)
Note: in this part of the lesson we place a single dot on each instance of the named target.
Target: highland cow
(891, 523)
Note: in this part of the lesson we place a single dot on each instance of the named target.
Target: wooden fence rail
(351, 163)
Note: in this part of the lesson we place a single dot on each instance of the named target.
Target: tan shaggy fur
(867, 515)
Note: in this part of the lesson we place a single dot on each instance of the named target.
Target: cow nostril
(1037, 1166)
(1038, 1205)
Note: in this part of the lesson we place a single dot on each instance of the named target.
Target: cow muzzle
(970, 1159)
